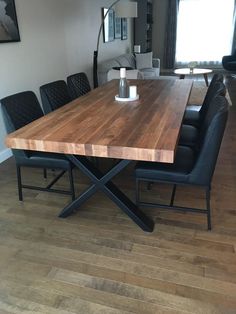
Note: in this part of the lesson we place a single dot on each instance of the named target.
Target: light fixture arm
(103, 19)
(95, 54)
(126, 10)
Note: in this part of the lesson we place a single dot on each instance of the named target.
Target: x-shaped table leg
(103, 182)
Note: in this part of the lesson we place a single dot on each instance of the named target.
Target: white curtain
(204, 31)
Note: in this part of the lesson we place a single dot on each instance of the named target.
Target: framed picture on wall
(9, 31)
(117, 27)
(108, 25)
(124, 29)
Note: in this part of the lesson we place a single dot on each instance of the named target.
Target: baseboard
(5, 154)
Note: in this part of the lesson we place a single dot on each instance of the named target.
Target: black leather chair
(189, 134)
(19, 110)
(78, 85)
(195, 113)
(229, 62)
(54, 95)
(190, 167)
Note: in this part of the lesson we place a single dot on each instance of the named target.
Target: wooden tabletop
(97, 125)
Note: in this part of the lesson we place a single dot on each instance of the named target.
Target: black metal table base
(103, 182)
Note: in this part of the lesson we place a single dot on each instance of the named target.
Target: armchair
(229, 62)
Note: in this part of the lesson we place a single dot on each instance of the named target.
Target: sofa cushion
(126, 60)
(150, 73)
(143, 60)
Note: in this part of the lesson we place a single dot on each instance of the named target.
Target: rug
(198, 93)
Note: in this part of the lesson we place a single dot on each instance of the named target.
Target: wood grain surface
(97, 125)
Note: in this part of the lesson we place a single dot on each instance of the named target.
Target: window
(204, 30)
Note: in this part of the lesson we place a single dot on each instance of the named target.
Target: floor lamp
(125, 9)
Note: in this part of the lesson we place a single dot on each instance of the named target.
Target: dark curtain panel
(234, 35)
(171, 34)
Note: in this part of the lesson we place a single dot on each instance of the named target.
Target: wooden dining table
(97, 125)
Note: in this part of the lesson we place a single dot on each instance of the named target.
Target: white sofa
(127, 60)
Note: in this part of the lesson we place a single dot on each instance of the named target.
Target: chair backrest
(54, 95)
(210, 144)
(78, 85)
(19, 110)
(216, 89)
(211, 111)
(217, 77)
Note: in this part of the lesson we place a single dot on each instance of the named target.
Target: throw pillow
(143, 60)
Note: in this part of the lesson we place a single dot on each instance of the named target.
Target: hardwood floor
(98, 261)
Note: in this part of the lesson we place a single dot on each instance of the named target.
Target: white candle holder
(132, 91)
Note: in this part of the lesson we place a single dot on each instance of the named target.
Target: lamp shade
(126, 9)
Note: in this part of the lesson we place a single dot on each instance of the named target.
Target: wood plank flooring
(99, 261)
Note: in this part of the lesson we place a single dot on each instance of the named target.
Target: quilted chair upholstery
(19, 110)
(195, 113)
(217, 77)
(190, 168)
(54, 95)
(189, 134)
(78, 85)
(21, 114)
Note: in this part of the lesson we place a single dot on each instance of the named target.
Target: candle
(122, 72)
(132, 91)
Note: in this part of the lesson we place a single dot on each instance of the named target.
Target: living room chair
(229, 62)
(78, 85)
(19, 110)
(195, 113)
(189, 168)
(190, 134)
(54, 95)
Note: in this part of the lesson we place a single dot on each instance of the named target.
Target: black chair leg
(208, 197)
(173, 195)
(19, 182)
(72, 188)
(45, 173)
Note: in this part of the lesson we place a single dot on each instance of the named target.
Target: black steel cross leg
(103, 182)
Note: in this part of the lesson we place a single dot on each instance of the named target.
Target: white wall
(83, 19)
(57, 38)
(39, 57)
